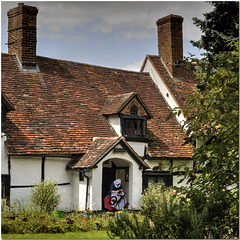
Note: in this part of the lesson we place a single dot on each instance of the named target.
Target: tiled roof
(99, 148)
(6, 102)
(115, 104)
(179, 88)
(58, 110)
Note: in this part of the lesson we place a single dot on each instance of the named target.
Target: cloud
(76, 39)
(51, 35)
(135, 66)
(139, 35)
(107, 17)
(115, 26)
(72, 38)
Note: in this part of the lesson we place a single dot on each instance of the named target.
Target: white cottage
(87, 125)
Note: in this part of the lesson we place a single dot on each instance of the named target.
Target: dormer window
(128, 115)
(133, 125)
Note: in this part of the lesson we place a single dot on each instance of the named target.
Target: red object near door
(107, 204)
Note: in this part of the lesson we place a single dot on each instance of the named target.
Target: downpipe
(86, 203)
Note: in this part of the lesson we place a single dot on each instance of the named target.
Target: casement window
(133, 125)
(157, 177)
(81, 176)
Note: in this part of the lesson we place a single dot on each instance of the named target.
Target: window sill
(136, 139)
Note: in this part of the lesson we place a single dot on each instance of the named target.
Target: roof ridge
(92, 65)
(152, 55)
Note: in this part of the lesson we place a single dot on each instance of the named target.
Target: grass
(69, 235)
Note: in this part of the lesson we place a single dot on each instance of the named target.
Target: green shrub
(38, 222)
(154, 196)
(219, 211)
(164, 214)
(45, 195)
(129, 226)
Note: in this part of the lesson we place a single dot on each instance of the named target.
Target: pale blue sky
(111, 34)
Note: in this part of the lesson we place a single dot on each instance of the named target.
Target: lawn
(69, 235)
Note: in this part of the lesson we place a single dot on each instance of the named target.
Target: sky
(111, 34)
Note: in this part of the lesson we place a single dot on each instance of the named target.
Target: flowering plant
(45, 195)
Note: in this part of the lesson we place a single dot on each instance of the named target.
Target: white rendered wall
(75, 190)
(66, 198)
(163, 89)
(183, 163)
(96, 188)
(79, 190)
(20, 195)
(138, 147)
(82, 194)
(55, 168)
(115, 122)
(176, 179)
(135, 188)
(25, 171)
(4, 157)
(155, 163)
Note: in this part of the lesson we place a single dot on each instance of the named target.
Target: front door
(109, 175)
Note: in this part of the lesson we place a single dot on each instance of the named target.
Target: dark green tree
(213, 122)
(219, 27)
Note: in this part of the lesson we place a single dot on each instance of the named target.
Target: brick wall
(22, 34)
(170, 42)
(134, 101)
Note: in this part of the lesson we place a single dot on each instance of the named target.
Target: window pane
(134, 128)
(158, 179)
(134, 110)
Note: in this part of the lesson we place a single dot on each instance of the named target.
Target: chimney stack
(22, 35)
(170, 42)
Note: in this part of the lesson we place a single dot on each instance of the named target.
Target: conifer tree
(219, 27)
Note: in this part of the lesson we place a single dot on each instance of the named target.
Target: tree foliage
(219, 27)
(213, 121)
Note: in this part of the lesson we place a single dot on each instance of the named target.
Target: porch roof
(99, 148)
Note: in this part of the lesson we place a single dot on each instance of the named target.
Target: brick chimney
(170, 42)
(22, 35)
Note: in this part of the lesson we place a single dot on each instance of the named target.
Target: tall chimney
(170, 42)
(22, 35)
